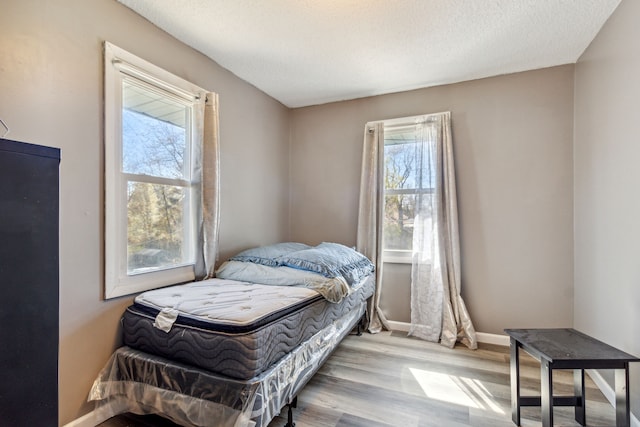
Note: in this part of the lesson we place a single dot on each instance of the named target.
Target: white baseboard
(608, 392)
(504, 340)
(604, 387)
(496, 339)
(481, 336)
(398, 326)
(92, 420)
(88, 420)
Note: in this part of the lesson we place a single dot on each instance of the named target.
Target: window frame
(120, 65)
(400, 256)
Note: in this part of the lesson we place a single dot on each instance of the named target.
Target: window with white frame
(150, 231)
(408, 181)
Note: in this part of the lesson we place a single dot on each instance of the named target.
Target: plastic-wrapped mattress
(231, 328)
(134, 381)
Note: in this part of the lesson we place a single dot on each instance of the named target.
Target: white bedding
(333, 289)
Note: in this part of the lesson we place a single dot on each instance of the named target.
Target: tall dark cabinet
(28, 284)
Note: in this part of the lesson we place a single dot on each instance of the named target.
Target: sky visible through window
(408, 166)
(151, 146)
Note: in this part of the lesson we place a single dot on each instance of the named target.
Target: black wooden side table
(567, 349)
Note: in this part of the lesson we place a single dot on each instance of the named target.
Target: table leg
(623, 418)
(515, 382)
(546, 391)
(578, 392)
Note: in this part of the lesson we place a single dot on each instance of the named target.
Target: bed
(235, 350)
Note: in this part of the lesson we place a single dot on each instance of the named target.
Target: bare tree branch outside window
(155, 212)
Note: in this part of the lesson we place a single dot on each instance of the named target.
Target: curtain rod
(406, 120)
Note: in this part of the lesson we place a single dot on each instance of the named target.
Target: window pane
(399, 211)
(409, 179)
(408, 166)
(154, 132)
(156, 235)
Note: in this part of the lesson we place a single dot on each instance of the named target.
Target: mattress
(142, 383)
(232, 328)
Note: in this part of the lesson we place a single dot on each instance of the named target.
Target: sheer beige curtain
(438, 312)
(370, 211)
(207, 189)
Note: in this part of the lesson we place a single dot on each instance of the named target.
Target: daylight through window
(149, 202)
(408, 185)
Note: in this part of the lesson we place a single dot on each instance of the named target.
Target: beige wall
(513, 146)
(513, 150)
(51, 94)
(607, 182)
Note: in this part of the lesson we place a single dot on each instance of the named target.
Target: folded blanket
(329, 268)
(332, 289)
(329, 259)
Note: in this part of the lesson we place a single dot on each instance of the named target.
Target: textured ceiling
(306, 52)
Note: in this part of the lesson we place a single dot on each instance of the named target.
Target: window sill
(130, 284)
(396, 260)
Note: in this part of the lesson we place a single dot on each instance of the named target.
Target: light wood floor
(388, 379)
